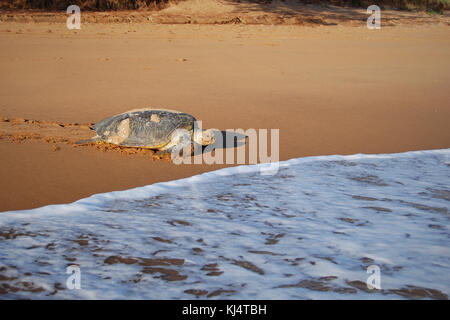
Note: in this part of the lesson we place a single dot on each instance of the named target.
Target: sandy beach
(330, 88)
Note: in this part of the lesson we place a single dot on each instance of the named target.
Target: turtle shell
(149, 128)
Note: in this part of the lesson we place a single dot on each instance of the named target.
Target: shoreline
(165, 186)
(204, 237)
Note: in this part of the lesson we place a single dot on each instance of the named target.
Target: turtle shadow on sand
(226, 139)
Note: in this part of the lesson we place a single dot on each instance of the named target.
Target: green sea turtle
(157, 129)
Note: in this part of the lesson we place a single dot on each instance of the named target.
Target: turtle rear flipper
(93, 139)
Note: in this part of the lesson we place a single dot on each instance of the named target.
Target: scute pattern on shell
(150, 128)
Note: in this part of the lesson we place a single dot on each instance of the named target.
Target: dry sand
(337, 89)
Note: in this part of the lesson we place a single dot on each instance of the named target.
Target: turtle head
(204, 137)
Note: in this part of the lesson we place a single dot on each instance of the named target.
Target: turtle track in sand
(19, 130)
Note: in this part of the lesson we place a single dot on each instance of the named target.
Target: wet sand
(338, 89)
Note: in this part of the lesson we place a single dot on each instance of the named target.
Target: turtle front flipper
(91, 140)
(180, 141)
(176, 151)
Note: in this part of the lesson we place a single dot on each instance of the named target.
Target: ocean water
(309, 232)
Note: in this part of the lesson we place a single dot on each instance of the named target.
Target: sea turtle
(157, 129)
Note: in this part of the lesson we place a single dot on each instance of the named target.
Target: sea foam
(308, 232)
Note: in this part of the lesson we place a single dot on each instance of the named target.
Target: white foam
(319, 216)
